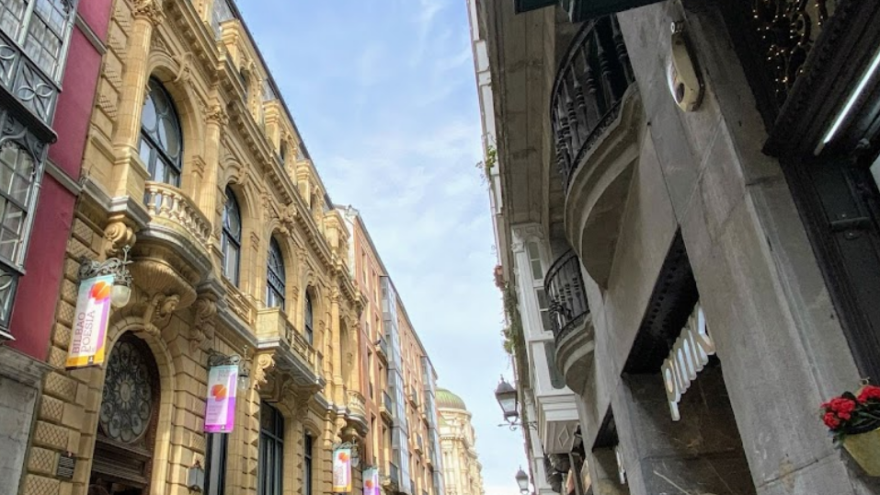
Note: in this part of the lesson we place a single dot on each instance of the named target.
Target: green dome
(448, 400)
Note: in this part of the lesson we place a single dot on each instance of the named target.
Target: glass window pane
(148, 116)
(11, 12)
(54, 13)
(542, 299)
(43, 45)
(535, 261)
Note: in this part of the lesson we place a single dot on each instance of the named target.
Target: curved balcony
(167, 204)
(595, 114)
(570, 319)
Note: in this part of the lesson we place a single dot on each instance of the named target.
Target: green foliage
(490, 161)
(513, 333)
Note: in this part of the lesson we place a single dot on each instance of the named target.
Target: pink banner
(90, 323)
(220, 408)
(371, 481)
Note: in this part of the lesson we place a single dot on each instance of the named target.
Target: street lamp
(505, 394)
(219, 359)
(120, 294)
(522, 479)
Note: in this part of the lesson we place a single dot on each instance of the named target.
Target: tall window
(271, 461)
(231, 242)
(310, 333)
(215, 464)
(307, 464)
(19, 173)
(161, 147)
(537, 270)
(275, 278)
(42, 27)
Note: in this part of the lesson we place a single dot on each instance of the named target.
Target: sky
(383, 93)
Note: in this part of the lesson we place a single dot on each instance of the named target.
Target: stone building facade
(703, 179)
(402, 426)
(195, 172)
(463, 471)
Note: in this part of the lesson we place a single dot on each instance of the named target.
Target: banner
(220, 408)
(342, 470)
(90, 323)
(371, 481)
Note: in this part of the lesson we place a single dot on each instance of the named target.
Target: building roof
(448, 400)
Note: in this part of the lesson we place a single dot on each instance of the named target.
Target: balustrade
(589, 87)
(166, 202)
(567, 298)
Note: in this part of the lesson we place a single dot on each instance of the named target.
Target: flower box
(854, 422)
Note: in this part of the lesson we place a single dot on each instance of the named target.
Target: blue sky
(383, 92)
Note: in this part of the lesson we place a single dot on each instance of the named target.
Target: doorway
(127, 420)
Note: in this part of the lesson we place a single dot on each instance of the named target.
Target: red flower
(842, 406)
(831, 420)
(868, 393)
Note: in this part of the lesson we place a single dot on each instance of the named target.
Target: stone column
(335, 333)
(127, 177)
(211, 196)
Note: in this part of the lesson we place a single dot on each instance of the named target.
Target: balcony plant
(854, 421)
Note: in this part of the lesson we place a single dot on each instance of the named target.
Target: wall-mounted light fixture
(120, 294)
(522, 480)
(219, 359)
(195, 478)
(681, 71)
(507, 398)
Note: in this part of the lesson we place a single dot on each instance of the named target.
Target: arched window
(161, 147)
(231, 242)
(275, 277)
(310, 333)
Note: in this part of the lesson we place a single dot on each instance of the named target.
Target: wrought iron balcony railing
(564, 286)
(590, 84)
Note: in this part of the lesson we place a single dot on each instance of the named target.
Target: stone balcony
(177, 223)
(357, 411)
(571, 322)
(595, 116)
(292, 356)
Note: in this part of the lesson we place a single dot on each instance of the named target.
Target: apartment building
(699, 181)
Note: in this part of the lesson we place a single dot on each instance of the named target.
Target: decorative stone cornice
(202, 329)
(149, 10)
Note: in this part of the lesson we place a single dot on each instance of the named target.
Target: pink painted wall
(35, 303)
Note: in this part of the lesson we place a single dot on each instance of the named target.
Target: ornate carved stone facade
(463, 471)
(200, 289)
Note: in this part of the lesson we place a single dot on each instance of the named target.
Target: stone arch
(167, 357)
(170, 73)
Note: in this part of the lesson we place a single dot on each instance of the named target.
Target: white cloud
(384, 95)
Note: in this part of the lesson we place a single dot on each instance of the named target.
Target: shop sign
(371, 481)
(220, 407)
(342, 470)
(88, 339)
(688, 357)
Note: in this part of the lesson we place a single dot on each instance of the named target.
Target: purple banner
(220, 408)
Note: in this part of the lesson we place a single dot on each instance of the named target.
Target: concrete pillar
(126, 181)
(701, 453)
(604, 473)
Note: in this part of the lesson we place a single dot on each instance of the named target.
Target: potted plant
(854, 420)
